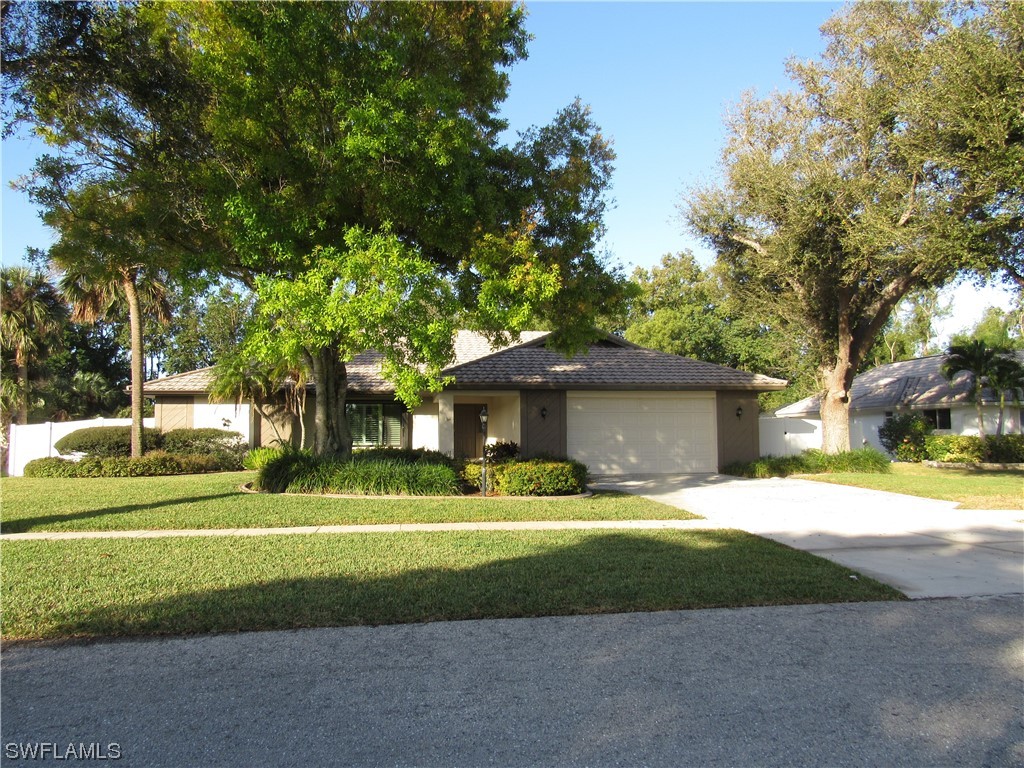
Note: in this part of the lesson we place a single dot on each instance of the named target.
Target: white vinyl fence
(35, 441)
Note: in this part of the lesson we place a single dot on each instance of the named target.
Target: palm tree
(94, 288)
(1006, 376)
(33, 314)
(980, 362)
(237, 379)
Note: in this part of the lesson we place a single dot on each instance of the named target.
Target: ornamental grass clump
(812, 462)
(299, 472)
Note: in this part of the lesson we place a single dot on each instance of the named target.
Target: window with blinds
(375, 424)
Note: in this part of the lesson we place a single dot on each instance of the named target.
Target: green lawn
(130, 587)
(214, 501)
(974, 489)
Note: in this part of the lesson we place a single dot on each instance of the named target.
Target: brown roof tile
(613, 364)
(604, 367)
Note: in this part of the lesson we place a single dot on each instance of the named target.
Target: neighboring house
(618, 407)
(916, 386)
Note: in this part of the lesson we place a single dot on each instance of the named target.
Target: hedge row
(907, 436)
(102, 442)
(970, 449)
(152, 464)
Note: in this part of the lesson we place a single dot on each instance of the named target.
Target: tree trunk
(138, 363)
(835, 407)
(1002, 411)
(331, 432)
(26, 394)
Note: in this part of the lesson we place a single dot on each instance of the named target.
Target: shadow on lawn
(26, 524)
(610, 573)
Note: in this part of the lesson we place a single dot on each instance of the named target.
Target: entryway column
(446, 422)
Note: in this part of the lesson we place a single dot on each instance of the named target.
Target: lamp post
(483, 470)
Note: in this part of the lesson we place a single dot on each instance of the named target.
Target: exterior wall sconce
(739, 411)
(543, 412)
(483, 458)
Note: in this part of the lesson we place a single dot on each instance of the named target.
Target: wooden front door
(469, 436)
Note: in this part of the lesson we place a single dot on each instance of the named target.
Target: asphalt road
(924, 683)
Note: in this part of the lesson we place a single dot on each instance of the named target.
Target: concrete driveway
(923, 547)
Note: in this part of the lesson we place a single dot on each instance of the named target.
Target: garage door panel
(616, 433)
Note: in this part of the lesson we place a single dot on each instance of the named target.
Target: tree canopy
(357, 176)
(342, 159)
(894, 165)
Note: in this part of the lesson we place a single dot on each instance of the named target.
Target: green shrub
(543, 477)
(51, 467)
(106, 441)
(955, 448)
(403, 456)
(471, 475)
(903, 435)
(769, 466)
(152, 464)
(503, 450)
(1004, 449)
(300, 472)
(203, 440)
(812, 462)
(258, 458)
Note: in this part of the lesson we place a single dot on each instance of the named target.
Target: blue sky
(658, 76)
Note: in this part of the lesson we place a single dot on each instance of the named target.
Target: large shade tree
(894, 165)
(357, 175)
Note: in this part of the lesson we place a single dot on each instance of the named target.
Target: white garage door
(618, 433)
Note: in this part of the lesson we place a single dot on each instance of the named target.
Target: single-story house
(916, 386)
(618, 407)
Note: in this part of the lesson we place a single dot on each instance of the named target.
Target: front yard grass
(974, 489)
(132, 587)
(214, 501)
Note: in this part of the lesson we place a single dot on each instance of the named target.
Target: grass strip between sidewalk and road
(214, 501)
(973, 489)
(134, 587)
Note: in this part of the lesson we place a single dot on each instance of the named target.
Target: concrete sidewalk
(923, 547)
(539, 525)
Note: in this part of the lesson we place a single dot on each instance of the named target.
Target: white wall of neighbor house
(35, 441)
(788, 436)
(225, 416)
(964, 420)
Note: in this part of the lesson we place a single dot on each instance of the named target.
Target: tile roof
(190, 383)
(910, 383)
(612, 364)
(604, 366)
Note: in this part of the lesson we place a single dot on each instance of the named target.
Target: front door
(469, 436)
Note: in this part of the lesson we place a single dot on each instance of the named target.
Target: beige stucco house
(618, 408)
